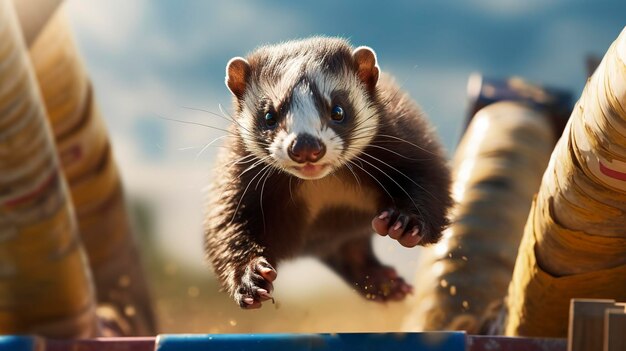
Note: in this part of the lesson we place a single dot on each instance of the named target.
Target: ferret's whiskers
(229, 117)
(358, 125)
(269, 174)
(358, 181)
(393, 180)
(362, 133)
(376, 180)
(358, 130)
(406, 141)
(396, 153)
(224, 116)
(290, 192)
(357, 113)
(404, 175)
(246, 190)
(208, 145)
(209, 112)
(233, 134)
(396, 140)
(383, 105)
(233, 119)
(197, 124)
(258, 162)
(239, 161)
(352, 151)
(262, 177)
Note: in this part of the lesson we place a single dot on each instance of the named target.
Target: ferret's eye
(337, 114)
(270, 120)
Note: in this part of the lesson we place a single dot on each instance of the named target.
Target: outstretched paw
(402, 226)
(256, 284)
(384, 284)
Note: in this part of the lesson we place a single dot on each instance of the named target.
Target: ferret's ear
(237, 73)
(366, 65)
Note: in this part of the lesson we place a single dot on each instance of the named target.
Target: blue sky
(432, 46)
(150, 58)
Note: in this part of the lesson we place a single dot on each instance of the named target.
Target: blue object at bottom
(18, 343)
(429, 341)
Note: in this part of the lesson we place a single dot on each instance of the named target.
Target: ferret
(325, 150)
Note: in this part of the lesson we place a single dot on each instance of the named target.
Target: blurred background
(152, 59)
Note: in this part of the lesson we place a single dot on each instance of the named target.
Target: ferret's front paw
(407, 228)
(256, 284)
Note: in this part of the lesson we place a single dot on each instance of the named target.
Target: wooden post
(497, 170)
(574, 243)
(45, 284)
(89, 166)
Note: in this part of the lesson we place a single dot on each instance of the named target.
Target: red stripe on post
(41, 188)
(612, 173)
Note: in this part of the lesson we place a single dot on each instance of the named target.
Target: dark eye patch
(340, 98)
(267, 116)
(346, 128)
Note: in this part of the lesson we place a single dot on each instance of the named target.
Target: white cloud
(109, 23)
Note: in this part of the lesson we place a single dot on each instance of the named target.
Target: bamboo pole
(574, 244)
(89, 166)
(497, 169)
(45, 286)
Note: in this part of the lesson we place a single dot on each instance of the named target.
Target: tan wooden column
(497, 170)
(574, 243)
(45, 284)
(89, 166)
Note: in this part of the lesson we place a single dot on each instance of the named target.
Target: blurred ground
(191, 303)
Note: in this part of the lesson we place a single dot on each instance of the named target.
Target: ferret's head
(305, 107)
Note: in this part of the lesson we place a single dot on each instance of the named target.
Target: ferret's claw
(256, 284)
(399, 225)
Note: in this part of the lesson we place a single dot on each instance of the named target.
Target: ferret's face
(306, 113)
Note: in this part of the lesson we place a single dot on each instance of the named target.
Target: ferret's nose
(306, 148)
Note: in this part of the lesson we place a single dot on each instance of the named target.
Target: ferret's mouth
(311, 170)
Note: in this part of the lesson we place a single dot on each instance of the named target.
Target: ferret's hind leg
(356, 263)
